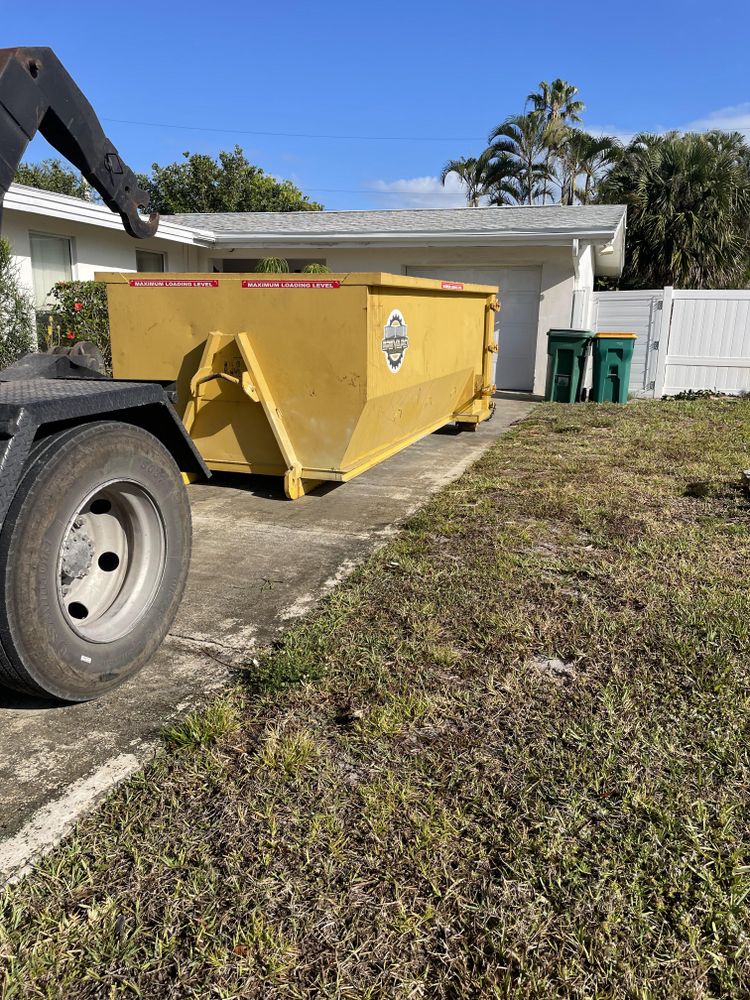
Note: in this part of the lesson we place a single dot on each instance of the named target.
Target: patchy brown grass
(508, 758)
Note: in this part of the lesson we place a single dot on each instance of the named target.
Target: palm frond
(688, 200)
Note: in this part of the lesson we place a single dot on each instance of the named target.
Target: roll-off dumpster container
(313, 377)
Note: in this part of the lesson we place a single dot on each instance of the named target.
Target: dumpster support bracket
(294, 485)
(207, 373)
(254, 385)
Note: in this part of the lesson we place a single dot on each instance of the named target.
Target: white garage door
(517, 321)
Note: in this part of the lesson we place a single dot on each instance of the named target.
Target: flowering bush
(80, 312)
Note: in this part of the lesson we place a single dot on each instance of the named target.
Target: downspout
(579, 312)
(576, 268)
(576, 310)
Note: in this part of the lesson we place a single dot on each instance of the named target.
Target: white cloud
(421, 192)
(611, 130)
(735, 118)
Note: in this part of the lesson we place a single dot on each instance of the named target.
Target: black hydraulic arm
(38, 94)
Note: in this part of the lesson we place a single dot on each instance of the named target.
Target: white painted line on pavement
(49, 824)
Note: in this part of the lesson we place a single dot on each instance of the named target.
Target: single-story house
(544, 258)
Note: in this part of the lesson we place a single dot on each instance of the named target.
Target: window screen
(149, 260)
(50, 262)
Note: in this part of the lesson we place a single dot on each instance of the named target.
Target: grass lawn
(508, 758)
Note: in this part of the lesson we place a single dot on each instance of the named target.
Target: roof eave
(609, 257)
(34, 201)
(251, 241)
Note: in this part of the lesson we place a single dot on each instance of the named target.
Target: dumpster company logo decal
(395, 340)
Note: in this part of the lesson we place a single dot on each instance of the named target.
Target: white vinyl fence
(686, 339)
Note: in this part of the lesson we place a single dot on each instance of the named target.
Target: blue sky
(414, 83)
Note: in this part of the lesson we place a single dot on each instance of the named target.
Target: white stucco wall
(93, 248)
(557, 274)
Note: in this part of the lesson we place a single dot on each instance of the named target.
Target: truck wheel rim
(111, 561)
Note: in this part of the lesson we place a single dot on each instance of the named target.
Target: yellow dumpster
(313, 377)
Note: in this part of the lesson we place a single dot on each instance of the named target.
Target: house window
(50, 263)
(149, 260)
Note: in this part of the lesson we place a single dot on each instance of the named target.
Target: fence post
(663, 341)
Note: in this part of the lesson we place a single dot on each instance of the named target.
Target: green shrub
(693, 394)
(16, 311)
(80, 312)
(316, 269)
(272, 265)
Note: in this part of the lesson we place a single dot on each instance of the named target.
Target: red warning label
(453, 286)
(174, 282)
(292, 283)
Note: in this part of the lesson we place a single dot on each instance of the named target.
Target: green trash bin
(567, 359)
(613, 355)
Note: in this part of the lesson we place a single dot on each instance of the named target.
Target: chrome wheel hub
(111, 561)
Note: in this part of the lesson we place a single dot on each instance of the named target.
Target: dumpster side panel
(320, 379)
(434, 370)
(311, 346)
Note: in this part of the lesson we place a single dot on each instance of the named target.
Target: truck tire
(94, 554)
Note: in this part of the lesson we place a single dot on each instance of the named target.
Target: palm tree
(688, 199)
(557, 101)
(732, 143)
(503, 187)
(558, 104)
(598, 155)
(523, 138)
(583, 158)
(472, 172)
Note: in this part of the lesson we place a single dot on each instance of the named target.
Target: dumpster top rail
(253, 279)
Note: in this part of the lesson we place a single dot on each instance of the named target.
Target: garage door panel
(517, 322)
(520, 279)
(520, 307)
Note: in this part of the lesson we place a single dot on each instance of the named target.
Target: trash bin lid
(571, 334)
(616, 336)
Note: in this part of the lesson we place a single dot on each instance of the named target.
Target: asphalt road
(259, 562)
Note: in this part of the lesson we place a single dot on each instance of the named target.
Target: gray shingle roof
(557, 220)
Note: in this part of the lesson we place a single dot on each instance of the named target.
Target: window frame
(71, 254)
(159, 253)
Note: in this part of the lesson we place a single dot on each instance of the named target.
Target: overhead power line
(310, 135)
(399, 194)
(301, 135)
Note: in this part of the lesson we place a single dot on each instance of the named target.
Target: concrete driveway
(259, 562)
